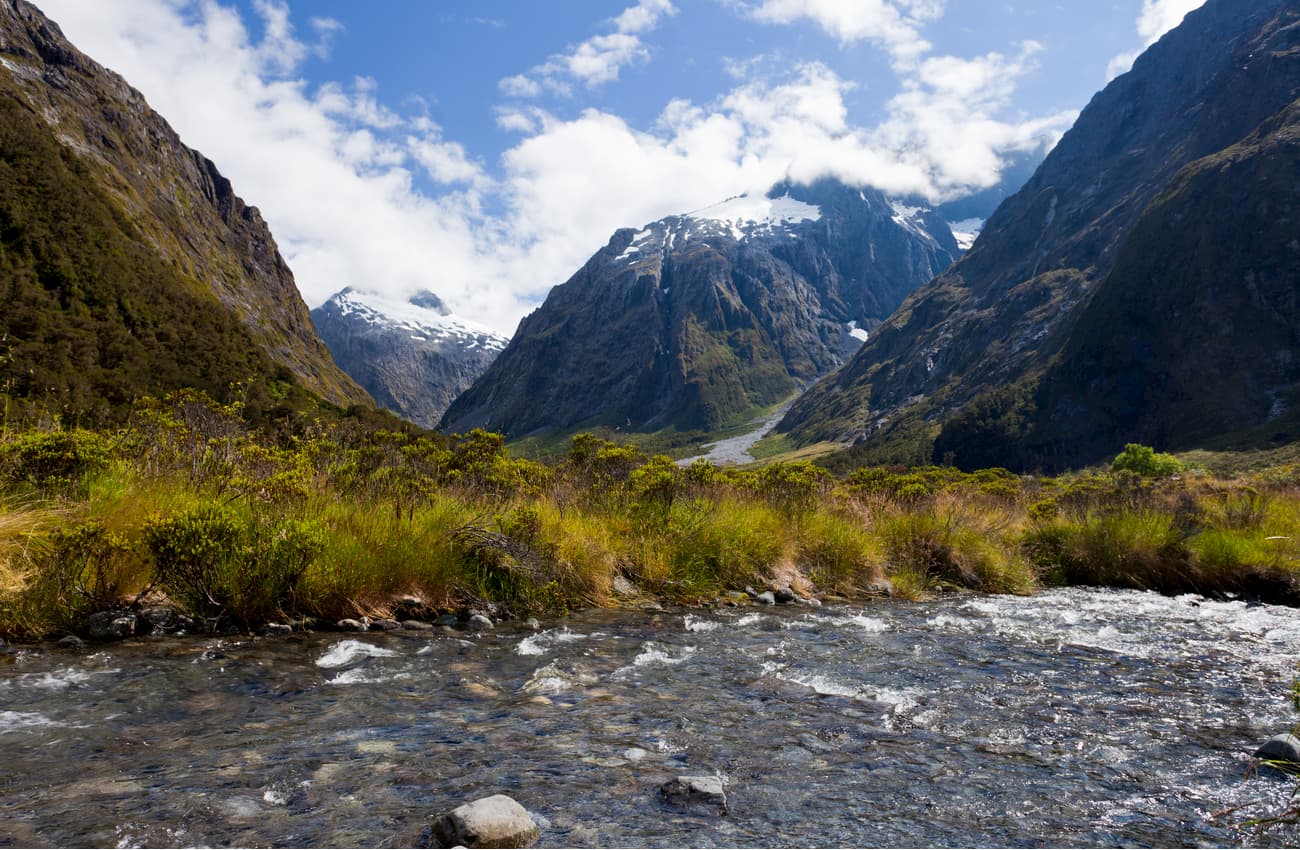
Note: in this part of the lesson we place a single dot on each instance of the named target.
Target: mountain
(413, 356)
(127, 263)
(695, 320)
(1140, 287)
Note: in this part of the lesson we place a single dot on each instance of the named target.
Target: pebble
(695, 789)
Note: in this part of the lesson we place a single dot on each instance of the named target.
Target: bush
(217, 563)
(56, 460)
(1146, 461)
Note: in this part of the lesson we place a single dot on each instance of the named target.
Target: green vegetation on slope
(187, 502)
(92, 317)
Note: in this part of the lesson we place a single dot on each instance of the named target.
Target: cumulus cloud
(359, 194)
(597, 60)
(892, 24)
(1156, 18)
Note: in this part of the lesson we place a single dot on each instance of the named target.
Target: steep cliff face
(160, 195)
(967, 353)
(413, 357)
(694, 320)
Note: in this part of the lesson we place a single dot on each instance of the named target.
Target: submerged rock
(496, 821)
(695, 789)
(1282, 752)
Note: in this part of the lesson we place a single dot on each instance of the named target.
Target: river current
(1071, 718)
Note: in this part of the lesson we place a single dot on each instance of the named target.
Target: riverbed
(1072, 718)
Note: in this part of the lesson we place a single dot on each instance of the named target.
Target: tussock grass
(226, 522)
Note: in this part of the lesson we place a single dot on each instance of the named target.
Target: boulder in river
(385, 625)
(350, 625)
(695, 789)
(479, 623)
(110, 625)
(765, 598)
(70, 642)
(783, 595)
(1281, 752)
(496, 821)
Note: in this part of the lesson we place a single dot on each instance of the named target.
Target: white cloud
(335, 172)
(892, 24)
(596, 61)
(1157, 18)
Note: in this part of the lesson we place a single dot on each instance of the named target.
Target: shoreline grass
(190, 505)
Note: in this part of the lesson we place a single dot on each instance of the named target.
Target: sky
(485, 149)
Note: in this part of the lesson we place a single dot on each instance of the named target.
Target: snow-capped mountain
(695, 319)
(413, 356)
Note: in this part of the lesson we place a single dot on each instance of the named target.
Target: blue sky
(485, 149)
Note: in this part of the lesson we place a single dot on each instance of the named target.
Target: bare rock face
(1108, 301)
(413, 357)
(693, 320)
(173, 201)
(496, 821)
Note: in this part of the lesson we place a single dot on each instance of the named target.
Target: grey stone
(479, 623)
(1283, 750)
(623, 587)
(162, 618)
(496, 821)
(880, 587)
(695, 789)
(783, 596)
(810, 601)
(417, 626)
(446, 620)
(765, 598)
(533, 623)
(110, 625)
(278, 628)
(350, 625)
(385, 625)
(70, 642)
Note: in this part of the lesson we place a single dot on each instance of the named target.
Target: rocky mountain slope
(1137, 287)
(129, 263)
(697, 319)
(413, 357)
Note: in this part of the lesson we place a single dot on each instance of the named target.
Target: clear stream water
(1073, 718)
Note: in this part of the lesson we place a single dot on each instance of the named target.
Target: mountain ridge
(694, 320)
(177, 204)
(994, 320)
(413, 357)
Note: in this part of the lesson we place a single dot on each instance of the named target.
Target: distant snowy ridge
(423, 323)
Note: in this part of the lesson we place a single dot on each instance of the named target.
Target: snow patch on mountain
(423, 323)
(747, 212)
(857, 332)
(909, 218)
(965, 231)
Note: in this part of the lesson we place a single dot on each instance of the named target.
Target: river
(1072, 718)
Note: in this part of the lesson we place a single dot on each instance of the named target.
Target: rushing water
(1070, 718)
